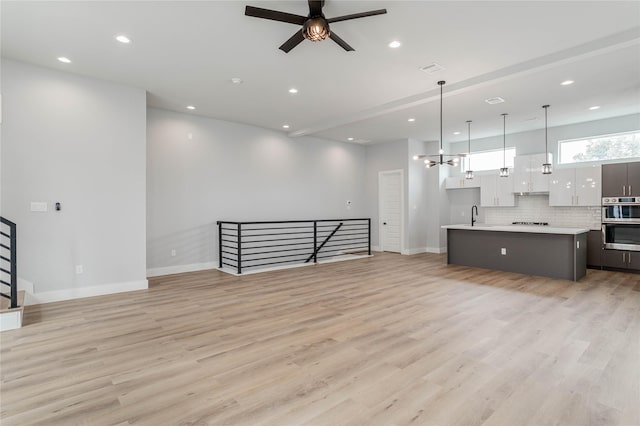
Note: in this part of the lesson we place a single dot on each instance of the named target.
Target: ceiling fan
(315, 26)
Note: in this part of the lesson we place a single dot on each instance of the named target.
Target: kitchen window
(599, 148)
(489, 160)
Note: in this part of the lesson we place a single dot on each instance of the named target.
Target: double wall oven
(621, 223)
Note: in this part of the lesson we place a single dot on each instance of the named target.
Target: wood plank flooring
(388, 340)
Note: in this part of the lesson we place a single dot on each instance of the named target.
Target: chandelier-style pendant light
(441, 155)
(469, 173)
(546, 167)
(504, 171)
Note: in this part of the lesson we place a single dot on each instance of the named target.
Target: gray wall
(80, 142)
(379, 158)
(201, 170)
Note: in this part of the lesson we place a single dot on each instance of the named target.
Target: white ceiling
(186, 53)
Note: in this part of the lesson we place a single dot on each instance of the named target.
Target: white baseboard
(375, 248)
(80, 292)
(438, 250)
(414, 251)
(179, 269)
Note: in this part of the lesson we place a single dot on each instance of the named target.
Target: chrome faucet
(474, 220)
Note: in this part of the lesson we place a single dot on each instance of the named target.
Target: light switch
(38, 206)
(503, 251)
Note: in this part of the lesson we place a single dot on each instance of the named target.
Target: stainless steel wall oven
(621, 223)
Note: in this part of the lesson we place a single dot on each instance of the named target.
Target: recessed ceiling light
(395, 44)
(190, 107)
(285, 126)
(493, 101)
(456, 133)
(594, 107)
(411, 120)
(293, 90)
(349, 139)
(567, 82)
(64, 59)
(236, 80)
(123, 39)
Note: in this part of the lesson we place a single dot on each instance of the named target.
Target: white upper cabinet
(527, 173)
(576, 187)
(496, 191)
(458, 182)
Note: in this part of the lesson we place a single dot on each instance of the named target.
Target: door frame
(380, 233)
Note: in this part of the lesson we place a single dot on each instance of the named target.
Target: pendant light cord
(441, 83)
(546, 146)
(504, 141)
(469, 143)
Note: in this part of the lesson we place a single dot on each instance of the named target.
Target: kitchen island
(535, 250)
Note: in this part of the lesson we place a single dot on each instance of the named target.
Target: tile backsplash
(535, 208)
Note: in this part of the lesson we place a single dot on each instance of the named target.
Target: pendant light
(469, 173)
(546, 167)
(440, 156)
(504, 171)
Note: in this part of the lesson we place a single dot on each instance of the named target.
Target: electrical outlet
(79, 269)
(173, 252)
(503, 251)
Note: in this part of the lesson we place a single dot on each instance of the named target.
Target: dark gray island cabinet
(534, 250)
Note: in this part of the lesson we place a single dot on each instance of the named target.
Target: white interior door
(390, 212)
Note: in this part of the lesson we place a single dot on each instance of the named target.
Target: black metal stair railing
(247, 245)
(8, 262)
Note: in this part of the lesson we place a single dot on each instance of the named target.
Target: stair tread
(4, 302)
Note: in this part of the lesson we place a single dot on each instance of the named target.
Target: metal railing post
(219, 244)
(14, 268)
(239, 249)
(315, 241)
(369, 234)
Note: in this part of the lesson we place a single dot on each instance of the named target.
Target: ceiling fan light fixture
(316, 29)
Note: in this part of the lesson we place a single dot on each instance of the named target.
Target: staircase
(11, 302)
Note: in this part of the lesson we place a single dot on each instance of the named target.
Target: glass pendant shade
(546, 169)
(468, 174)
(504, 172)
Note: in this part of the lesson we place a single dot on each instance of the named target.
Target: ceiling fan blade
(295, 40)
(357, 15)
(315, 7)
(274, 15)
(341, 42)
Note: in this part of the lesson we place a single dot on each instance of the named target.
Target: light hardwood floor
(388, 340)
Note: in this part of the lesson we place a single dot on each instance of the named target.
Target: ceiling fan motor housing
(316, 29)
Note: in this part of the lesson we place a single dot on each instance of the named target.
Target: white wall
(532, 142)
(202, 170)
(80, 142)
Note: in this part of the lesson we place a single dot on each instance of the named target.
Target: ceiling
(186, 53)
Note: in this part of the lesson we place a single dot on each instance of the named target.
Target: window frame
(475, 170)
(586, 138)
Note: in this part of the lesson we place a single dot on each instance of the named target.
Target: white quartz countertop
(533, 229)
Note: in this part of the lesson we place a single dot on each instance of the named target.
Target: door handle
(629, 258)
(384, 223)
(624, 189)
(629, 189)
(623, 258)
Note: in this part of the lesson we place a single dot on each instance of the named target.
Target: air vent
(431, 68)
(493, 101)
